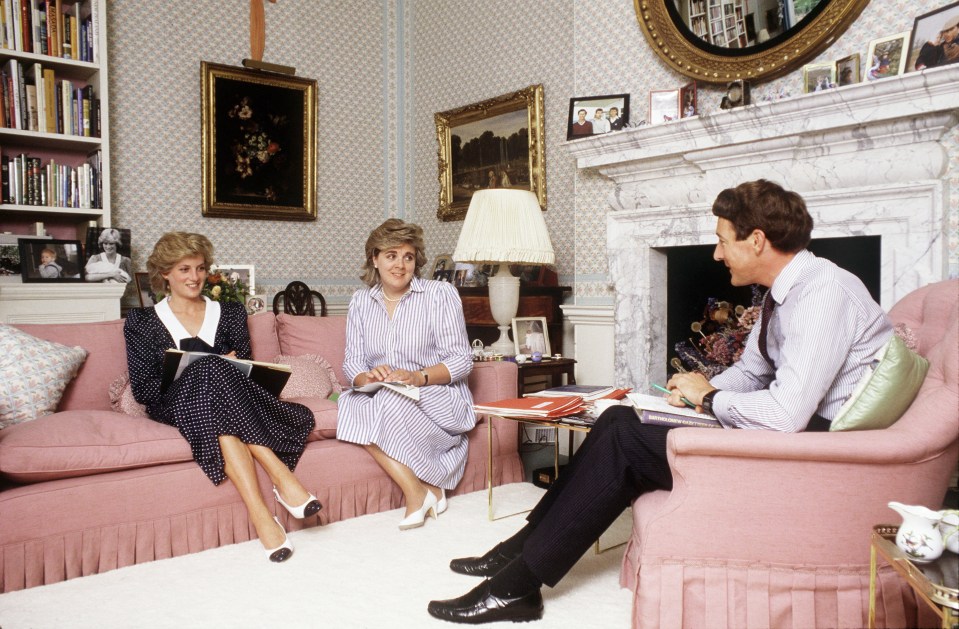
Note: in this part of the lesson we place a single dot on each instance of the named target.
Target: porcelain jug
(949, 527)
(918, 536)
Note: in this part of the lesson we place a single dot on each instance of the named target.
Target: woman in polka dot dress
(230, 422)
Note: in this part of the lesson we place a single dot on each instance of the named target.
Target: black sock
(513, 546)
(514, 580)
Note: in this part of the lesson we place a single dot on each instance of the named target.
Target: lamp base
(504, 302)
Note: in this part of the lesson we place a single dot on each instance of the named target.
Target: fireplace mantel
(868, 158)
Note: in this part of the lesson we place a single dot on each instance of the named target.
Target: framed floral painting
(259, 144)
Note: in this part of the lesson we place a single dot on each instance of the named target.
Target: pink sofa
(86, 490)
(766, 529)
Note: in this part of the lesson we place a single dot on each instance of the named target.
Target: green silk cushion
(886, 391)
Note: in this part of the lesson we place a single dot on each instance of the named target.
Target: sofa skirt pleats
(699, 594)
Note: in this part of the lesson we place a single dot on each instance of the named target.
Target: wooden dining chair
(299, 300)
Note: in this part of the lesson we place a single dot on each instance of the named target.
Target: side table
(943, 600)
(555, 368)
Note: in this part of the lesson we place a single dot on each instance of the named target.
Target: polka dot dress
(211, 397)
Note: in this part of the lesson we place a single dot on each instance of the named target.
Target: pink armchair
(766, 529)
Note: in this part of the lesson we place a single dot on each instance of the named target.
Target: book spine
(5, 179)
(53, 30)
(95, 30)
(659, 418)
(22, 99)
(32, 117)
(50, 99)
(17, 34)
(26, 35)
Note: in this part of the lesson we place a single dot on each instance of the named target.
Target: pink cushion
(323, 336)
(324, 412)
(80, 443)
(122, 400)
(312, 377)
(106, 359)
(263, 341)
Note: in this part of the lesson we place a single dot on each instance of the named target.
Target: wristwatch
(708, 402)
(426, 377)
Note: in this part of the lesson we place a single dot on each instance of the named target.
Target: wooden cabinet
(534, 301)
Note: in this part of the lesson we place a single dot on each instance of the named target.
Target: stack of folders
(587, 392)
(533, 408)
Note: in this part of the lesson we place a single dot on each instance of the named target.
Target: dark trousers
(620, 459)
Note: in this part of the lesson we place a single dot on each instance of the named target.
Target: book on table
(402, 388)
(533, 407)
(271, 376)
(656, 410)
(588, 392)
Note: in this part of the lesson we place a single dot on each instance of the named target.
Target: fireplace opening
(692, 277)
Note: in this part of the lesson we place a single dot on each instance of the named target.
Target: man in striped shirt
(819, 331)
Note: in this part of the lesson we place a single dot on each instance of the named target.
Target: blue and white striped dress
(427, 328)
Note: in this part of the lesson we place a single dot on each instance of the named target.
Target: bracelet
(426, 377)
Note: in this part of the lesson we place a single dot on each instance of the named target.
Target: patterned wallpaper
(383, 69)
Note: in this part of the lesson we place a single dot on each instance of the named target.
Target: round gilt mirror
(716, 41)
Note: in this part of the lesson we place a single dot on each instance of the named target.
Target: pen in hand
(668, 392)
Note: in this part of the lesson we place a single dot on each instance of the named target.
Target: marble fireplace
(870, 160)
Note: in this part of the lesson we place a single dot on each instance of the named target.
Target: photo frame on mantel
(259, 144)
(511, 128)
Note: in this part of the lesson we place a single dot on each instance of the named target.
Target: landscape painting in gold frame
(259, 144)
(496, 143)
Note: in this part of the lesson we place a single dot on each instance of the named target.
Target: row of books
(26, 181)
(68, 30)
(33, 99)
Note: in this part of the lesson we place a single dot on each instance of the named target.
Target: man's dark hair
(779, 213)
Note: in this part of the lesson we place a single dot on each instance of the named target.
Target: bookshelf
(726, 21)
(61, 150)
(56, 150)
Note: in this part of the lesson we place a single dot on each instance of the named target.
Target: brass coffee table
(943, 600)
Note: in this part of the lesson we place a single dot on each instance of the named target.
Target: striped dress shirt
(427, 328)
(823, 334)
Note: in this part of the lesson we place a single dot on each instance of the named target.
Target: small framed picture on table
(530, 335)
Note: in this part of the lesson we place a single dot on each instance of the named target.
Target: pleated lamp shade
(504, 226)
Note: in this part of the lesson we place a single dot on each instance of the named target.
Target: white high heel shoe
(311, 506)
(417, 518)
(282, 552)
(442, 505)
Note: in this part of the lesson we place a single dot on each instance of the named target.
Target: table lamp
(504, 226)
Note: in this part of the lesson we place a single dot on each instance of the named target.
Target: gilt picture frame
(258, 144)
(511, 127)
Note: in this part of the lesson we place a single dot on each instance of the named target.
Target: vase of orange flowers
(225, 287)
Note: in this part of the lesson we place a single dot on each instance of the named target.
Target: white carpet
(362, 572)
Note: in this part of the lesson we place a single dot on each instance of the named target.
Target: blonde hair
(392, 233)
(170, 249)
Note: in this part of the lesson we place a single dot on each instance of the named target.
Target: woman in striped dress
(407, 329)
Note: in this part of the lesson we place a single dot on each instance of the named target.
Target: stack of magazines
(534, 408)
(586, 392)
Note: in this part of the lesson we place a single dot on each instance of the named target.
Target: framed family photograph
(50, 260)
(530, 334)
(817, 77)
(934, 40)
(496, 143)
(664, 106)
(144, 291)
(847, 70)
(259, 144)
(687, 96)
(595, 115)
(887, 56)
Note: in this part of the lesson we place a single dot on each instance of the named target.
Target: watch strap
(708, 401)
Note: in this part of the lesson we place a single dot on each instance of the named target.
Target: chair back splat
(299, 300)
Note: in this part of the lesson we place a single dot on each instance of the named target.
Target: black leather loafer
(486, 566)
(479, 606)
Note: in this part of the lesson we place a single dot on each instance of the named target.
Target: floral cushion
(122, 400)
(312, 376)
(33, 375)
